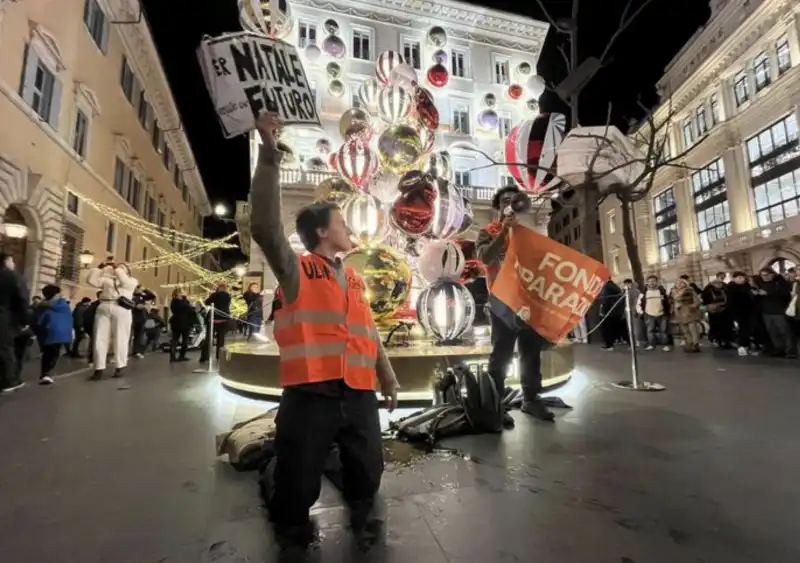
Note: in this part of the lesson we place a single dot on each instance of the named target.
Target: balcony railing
(299, 177)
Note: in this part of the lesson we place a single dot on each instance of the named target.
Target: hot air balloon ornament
(356, 162)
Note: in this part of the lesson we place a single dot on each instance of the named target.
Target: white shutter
(55, 104)
(29, 74)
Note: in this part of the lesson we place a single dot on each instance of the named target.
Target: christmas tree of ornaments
(395, 190)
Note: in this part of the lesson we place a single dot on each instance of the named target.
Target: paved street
(705, 471)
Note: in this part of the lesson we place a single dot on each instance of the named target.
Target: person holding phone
(113, 315)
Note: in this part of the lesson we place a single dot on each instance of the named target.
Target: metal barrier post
(634, 384)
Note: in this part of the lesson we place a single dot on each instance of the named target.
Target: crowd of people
(752, 314)
(120, 323)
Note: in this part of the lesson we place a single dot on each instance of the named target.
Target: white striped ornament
(394, 104)
(386, 62)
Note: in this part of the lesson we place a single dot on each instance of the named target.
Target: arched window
(782, 265)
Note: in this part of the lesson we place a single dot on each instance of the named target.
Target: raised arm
(266, 223)
(125, 279)
(489, 248)
(95, 278)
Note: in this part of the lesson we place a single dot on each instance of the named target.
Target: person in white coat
(113, 318)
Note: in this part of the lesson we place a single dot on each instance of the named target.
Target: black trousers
(179, 343)
(75, 351)
(611, 330)
(9, 370)
(137, 332)
(720, 327)
(529, 348)
(307, 425)
(50, 355)
(218, 332)
(744, 335)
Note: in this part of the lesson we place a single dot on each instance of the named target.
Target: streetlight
(15, 230)
(86, 258)
(240, 270)
(220, 210)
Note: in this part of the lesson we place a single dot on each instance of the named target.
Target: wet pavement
(705, 471)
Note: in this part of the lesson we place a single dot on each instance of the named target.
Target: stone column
(737, 182)
(645, 231)
(793, 32)
(687, 219)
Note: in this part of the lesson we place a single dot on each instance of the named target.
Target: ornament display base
(642, 386)
(251, 368)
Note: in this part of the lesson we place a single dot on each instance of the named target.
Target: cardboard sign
(547, 285)
(248, 74)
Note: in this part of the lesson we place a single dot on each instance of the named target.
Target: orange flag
(547, 285)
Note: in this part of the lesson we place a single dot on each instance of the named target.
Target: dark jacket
(741, 302)
(221, 300)
(55, 322)
(778, 295)
(610, 294)
(182, 314)
(79, 316)
(665, 304)
(254, 305)
(715, 297)
(13, 300)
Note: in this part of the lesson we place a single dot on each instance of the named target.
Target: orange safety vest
(326, 333)
(493, 229)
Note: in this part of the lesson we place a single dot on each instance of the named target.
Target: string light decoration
(153, 230)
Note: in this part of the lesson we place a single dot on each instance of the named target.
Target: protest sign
(248, 74)
(547, 285)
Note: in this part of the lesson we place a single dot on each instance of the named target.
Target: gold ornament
(386, 275)
(355, 121)
(399, 148)
(333, 190)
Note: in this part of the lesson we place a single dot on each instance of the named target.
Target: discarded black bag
(463, 404)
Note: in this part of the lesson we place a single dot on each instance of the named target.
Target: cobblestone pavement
(705, 471)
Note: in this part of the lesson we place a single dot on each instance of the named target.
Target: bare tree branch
(624, 23)
(547, 15)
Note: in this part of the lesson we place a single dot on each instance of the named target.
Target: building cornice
(725, 55)
(139, 45)
(462, 21)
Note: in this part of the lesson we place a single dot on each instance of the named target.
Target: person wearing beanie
(53, 329)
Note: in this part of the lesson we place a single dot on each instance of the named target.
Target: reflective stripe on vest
(327, 333)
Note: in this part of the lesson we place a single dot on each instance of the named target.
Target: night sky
(639, 57)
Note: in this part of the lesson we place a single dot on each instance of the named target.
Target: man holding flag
(507, 330)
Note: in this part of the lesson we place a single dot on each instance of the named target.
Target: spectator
(255, 305)
(612, 313)
(13, 320)
(88, 326)
(182, 319)
(221, 300)
(773, 295)
(141, 299)
(152, 330)
(720, 323)
(694, 286)
(741, 304)
(686, 305)
(53, 329)
(653, 305)
(79, 326)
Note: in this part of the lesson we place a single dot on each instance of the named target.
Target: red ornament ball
(438, 76)
(515, 91)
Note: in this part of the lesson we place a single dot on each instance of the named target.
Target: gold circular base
(252, 367)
